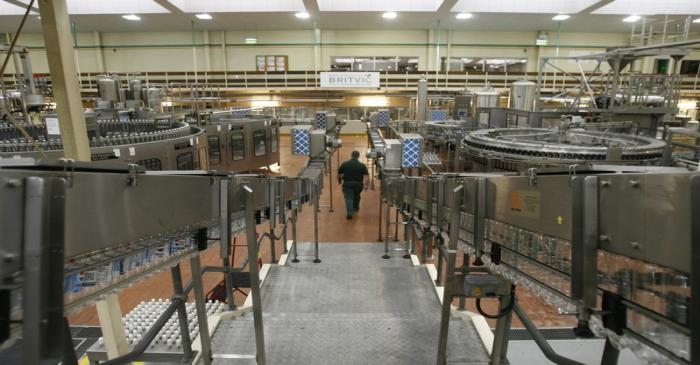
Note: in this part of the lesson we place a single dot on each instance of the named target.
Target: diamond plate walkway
(353, 308)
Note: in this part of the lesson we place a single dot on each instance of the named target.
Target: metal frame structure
(68, 222)
(649, 99)
(576, 238)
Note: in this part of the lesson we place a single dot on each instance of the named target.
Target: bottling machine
(129, 125)
(611, 245)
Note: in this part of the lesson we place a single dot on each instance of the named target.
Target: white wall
(173, 51)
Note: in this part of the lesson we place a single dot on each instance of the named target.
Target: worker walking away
(354, 177)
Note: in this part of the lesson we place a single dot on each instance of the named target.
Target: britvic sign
(350, 79)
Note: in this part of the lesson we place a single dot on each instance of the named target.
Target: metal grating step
(329, 340)
(352, 308)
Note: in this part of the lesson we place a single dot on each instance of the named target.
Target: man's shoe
(348, 217)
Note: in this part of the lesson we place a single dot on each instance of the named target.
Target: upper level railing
(308, 80)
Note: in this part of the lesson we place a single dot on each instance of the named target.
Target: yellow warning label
(525, 203)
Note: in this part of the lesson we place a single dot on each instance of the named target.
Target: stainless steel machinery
(514, 148)
(614, 246)
(241, 143)
(74, 233)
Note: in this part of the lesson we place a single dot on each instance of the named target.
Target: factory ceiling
(505, 15)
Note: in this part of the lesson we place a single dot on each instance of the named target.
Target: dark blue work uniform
(353, 172)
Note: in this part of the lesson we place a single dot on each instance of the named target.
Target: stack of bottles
(78, 283)
(169, 338)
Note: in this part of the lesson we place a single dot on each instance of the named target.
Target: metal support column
(396, 226)
(43, 234)
(254, 275)
(386, 228)
(294, 236)
(272, 219)
(381, 197)
(176, 276)
(317, 198)
(499, 351)
(199, 301)
(61, 57)
(282, 213)
(330, 180)
(225, 239)
(694, 314)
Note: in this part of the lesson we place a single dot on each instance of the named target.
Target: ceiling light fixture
(464, 16)
(561, 17)
(302, 15)
(631, 19)
(203, 16)
(251, 40)
(389, 15)
(131, 17)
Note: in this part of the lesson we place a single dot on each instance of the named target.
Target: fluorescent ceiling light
(631, 19)
(203, 16)
(251, 40)
(374, 101)
(379, 6)
(389, 15)
(561, 17)
(237, 6)
(651, 7)
(131, 17)
(264, 103)
(89, 7)
(519, 6)
(302, 15)
(464, 16)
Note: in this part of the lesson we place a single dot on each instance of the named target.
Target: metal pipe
(539, 339)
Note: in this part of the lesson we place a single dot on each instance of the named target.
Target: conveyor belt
(353, 308)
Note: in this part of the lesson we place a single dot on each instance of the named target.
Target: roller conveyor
(354, 307)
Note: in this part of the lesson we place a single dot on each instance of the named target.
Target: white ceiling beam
(445, 7)
(595, 6)
(21, 5)
(312, 8)
(170, 6)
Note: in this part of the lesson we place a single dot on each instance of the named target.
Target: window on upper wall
(690, 67)
(271, 63)
(371, 63)
(466, 64)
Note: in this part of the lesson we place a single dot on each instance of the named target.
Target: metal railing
(305, 80)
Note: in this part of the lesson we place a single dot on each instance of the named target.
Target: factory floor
(334, 227)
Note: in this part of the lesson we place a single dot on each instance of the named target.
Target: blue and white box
(301, 140)
(383, 118)
(411, 150)
(437, 114)
(321, 119)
